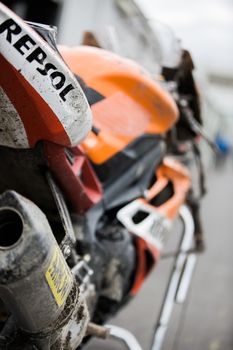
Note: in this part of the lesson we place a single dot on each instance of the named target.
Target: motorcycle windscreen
(40, 99)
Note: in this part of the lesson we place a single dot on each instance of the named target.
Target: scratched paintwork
(73, 113)
(12, 132)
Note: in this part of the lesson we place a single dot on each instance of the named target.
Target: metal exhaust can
(36, 283)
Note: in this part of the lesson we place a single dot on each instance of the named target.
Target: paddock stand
(176, 292)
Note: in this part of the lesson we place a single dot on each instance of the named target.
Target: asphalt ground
(205, 321)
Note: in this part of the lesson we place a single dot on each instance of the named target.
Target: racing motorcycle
(89, 187)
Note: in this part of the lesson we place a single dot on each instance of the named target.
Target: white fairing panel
(49, 77)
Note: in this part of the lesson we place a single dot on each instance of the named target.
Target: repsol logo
(24, 45)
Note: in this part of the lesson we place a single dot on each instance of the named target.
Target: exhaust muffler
(36, 284)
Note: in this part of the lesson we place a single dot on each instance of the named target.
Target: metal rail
(176, 292)
(124, 336)
(180, 278)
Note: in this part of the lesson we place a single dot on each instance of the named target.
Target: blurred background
(204, 27)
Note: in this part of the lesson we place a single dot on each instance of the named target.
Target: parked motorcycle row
(96, 159)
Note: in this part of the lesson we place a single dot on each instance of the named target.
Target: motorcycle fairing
(48, 99)
(115, 167)
(75, 175)
(132, 105)
(149, 218)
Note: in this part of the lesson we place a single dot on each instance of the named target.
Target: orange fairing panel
(134, 104)
(173, 171)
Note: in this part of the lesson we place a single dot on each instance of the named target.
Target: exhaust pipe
(36, 284)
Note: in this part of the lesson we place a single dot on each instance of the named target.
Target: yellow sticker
(59, 277)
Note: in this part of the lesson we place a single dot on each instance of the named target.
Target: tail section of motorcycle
(108, 207)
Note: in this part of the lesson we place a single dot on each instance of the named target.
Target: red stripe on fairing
(38, 118)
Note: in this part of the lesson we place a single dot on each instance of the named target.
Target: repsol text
(28, 47)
